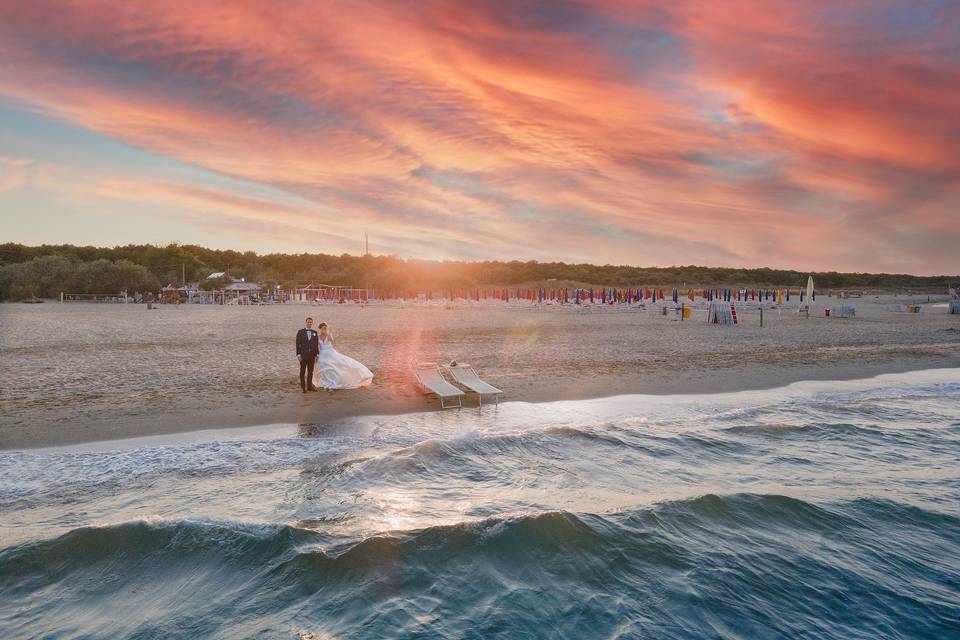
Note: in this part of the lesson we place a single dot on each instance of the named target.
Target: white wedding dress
(337, 371)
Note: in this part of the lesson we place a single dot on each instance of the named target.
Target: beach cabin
(241, 292)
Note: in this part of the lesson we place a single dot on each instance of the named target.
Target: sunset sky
(809, 135)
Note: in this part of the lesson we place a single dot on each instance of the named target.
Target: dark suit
(308, 349)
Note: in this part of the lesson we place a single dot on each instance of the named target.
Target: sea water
(818, 510)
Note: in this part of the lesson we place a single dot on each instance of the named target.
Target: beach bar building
(241, 292)
(175, 294)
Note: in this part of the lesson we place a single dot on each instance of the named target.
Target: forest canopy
(44, 271)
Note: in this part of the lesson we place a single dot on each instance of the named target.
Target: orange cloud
(735, 133)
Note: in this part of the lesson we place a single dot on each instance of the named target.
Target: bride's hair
(321, 325)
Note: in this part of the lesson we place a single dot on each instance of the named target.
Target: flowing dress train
(337, 371)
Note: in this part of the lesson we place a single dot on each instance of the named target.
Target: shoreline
(366, 424)
(86, 373)
(311, 408)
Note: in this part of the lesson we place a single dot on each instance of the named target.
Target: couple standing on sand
(333, 369)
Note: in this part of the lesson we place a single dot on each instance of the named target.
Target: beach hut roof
(242, 286)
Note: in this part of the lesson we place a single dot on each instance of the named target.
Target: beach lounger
(429, 376)
(466, 376)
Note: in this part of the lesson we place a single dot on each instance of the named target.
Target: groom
(308, 348)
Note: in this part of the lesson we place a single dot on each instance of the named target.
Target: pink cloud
(736, 134)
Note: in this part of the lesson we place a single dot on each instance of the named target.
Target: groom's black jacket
(307, 348)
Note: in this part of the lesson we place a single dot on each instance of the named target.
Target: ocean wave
(558, 529)
(822, 430)
(61, 478)
(739, 555)
(797, 513)
(477, 454)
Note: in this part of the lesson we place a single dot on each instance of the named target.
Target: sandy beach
(85, 372)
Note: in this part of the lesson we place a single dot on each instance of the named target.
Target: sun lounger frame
(475, 384)
(429, 366)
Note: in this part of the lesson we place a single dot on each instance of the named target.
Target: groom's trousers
(306, 368)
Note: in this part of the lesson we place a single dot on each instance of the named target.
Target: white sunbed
(429, 376)
(466, 376)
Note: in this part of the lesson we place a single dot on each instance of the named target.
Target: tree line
(44, 271)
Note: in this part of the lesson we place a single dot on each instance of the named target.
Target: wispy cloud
(743, 133)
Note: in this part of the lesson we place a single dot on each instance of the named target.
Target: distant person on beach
(335, 370)
(308, 348)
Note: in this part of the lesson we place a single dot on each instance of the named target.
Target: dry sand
(83, 372)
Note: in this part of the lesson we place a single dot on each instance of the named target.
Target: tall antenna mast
(366, 243)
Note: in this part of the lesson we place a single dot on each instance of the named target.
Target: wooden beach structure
(241, 292)
(115, 298)
(330, 293)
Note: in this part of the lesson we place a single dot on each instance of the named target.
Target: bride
(335, 370)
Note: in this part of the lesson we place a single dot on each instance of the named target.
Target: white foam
(279, 446)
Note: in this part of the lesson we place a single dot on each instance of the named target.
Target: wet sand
(83, 372)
